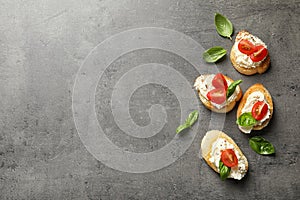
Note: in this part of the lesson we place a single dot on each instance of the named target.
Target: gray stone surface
(43, 44)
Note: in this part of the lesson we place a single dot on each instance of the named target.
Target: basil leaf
(224, 170)
(214, 54)
(246, 119)
(192, 118)
(261, 146)
(223, 25)
(231, 88)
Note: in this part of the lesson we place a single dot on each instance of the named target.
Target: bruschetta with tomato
(218, 92)
(223, 155)
(249, 54)
(255, 109)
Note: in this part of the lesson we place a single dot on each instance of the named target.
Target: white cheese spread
(204, 85)
(251, 100)
(244, 60)
(237, 172)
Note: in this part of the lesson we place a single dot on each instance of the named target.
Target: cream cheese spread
(244, 60)
(204, 84)
(237, 172)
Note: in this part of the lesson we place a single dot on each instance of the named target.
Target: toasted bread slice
(268, 98)
(207, 144)
(225, 109)
(261, 68)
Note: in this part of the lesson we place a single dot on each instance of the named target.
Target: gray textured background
(43, 44)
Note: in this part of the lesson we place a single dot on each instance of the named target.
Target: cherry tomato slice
(229, 158)
(260, 53)
(217, 95)
(246, 47)
(259, 110)
(219, 81)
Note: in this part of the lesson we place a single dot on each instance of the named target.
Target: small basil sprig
(246, 119)
(224, 170)
(223, 25)
(261, 146)
(231, 88)
(214, 54)
(192, 118)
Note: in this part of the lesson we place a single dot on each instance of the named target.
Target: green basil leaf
(246, 119)
(192, 118)
(214, 54)
(224, 170)
(223, 25)
(261, 146)
(231, 88)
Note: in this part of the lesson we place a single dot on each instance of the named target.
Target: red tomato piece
(229, 158)
(259, 110)
(217, 95)
(219, 81)
(260, 53)
(246, 47)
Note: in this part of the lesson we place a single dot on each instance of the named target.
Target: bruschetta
(249, 54)
(218, 92)
(223, 155)
(255, 109)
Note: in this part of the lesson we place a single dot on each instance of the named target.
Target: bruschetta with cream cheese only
(218, 92)
(223, 155)
(249, 54)
(255, 109)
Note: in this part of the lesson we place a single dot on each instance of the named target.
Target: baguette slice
(268, 98)
(248, 71)
(225, 109)
(207, 143)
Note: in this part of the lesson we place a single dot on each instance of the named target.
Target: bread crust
(262, 68)
(268, 98)
(228, 107)
(207, 142)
